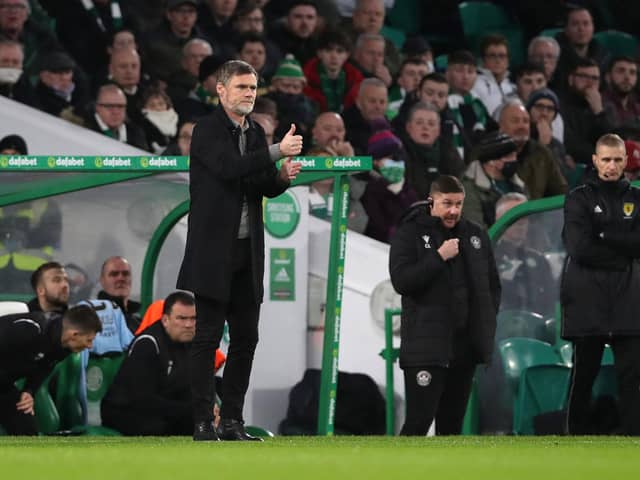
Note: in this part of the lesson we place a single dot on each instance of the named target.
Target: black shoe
(205, 432)
(234, 430)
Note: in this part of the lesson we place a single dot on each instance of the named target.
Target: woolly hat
(14, 142)
(543, 93)
(633, 156)
(208, 67)
(57, 62)
(289, 68)
(495, 145)
(174, 4)
(382, 143)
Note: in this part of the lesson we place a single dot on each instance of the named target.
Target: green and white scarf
(116, 14)
(334, 89)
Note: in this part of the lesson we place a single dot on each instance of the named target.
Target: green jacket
(540, 172)
(482, 193)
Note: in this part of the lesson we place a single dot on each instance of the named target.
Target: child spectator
(332, 81)
(160, 120)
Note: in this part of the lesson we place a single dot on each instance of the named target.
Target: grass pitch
(437, 458)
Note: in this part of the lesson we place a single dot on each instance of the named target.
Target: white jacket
(489, 91)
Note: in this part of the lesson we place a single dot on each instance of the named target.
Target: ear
(164, 320)
(430, 201)
(219, 89)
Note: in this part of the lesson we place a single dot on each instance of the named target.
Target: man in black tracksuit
(443, 267)
(30, 346)
(151, 394)
(601, 284)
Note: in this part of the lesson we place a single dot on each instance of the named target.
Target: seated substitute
(151, 394)
(443, 267)
(31, 344)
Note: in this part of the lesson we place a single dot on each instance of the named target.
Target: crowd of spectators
(145, 72)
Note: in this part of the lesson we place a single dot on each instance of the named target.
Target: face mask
(65, 93)
(165, 120)
(10, 75)
(509, 169)
(287, 97)
(430, 67)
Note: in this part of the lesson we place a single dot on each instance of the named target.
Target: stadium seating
(482, 18)
(618, 43)
(542, 389)
(523, 323)
(101, 371)
(405, 15)
(10, 307)
(396, 35)
(550, 32)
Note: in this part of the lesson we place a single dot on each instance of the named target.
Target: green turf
(540, 458)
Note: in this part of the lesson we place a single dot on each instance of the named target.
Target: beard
(622, 90)
(59, 301)
(242, 109)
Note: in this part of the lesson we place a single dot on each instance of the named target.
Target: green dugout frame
(94, 171)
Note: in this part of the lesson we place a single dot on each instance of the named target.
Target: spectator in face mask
(384, 202)
(13, 83)
(56, 89)
(490, 176)
(287, 85)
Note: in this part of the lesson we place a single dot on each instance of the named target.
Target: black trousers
(587, 355)
(241, 314)
(437, 392)
(13, 421)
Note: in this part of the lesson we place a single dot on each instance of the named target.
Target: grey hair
(366, 37)
(509, 102)
(508, 197)
(370, 82)
(541, 39)
(196, 41)
(233, 68)
(359, 4)
(110, 88)
(426, 106)
(5, 42)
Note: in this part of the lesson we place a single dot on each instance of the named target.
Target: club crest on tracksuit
(628, 208)
(426, 241)
(476, 242)
(423, 378)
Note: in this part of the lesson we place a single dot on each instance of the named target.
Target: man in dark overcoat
(232, 168)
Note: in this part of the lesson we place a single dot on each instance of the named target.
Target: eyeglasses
(545, 108)
(496, 56)
(113, 106)
(584, 76)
